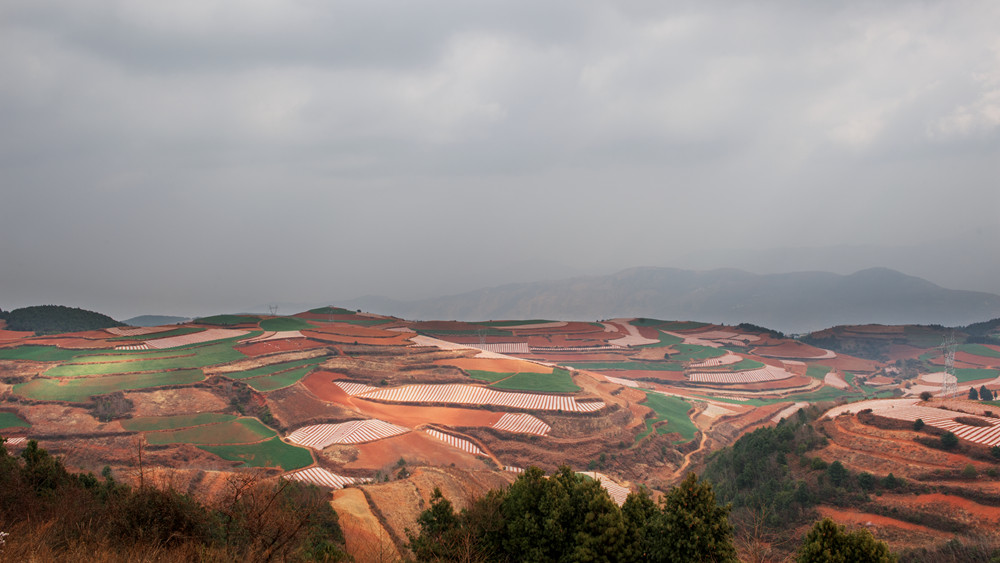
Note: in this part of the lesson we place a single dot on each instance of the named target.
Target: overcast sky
(192, 156)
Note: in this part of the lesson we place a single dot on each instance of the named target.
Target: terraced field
(11, 420)
(152, 423)
(674, 411)
(81, 389)
(240, 431)
(270, 453)
(188, 358)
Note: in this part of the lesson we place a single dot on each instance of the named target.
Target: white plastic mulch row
(522, 423)
(354, 388)
(16, 441)
(137, 330)
(766, 373)
(276, 335)
(618, 493)
(320, 436)
(620, 381)
(472, 394)
(194, 338)
(455, 441)
(726, 360)
(945, 420)
(503, 347)
(142, 346)
(512, 469)
(321, 477)
(558, 349)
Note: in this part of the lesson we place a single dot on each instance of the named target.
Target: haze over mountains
(795, 302)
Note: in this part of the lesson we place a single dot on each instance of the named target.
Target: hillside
(381, 411)
(55, 319)
(797, 302)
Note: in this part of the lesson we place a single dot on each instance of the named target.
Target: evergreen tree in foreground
(827, 542)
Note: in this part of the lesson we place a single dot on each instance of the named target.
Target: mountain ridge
(795, 302)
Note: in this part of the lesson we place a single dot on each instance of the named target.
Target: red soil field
(975, 361)
(397, 339)
(283, 345)
(648, 332)
(856, 519)
(445, 325)
(417, 448)
(849, 363)
(570, 328)
(498, 366)
(904, 352)
(345, 329)
(71, 343)
(570, 357)
(790, 349)
(366, 539)
(475, 339)
(6, 335)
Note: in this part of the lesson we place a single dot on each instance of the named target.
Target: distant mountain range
(797, 302)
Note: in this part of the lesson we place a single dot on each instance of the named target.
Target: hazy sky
(192, 156)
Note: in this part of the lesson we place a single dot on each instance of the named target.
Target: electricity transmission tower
(273, 309)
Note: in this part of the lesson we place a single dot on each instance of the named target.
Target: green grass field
(80, 390)
(674, 410)
(176, 332)
(635, 366)
(220, 352)
(972, 374)
(665, 340)
(489, 376)
(559, 381)
(11, 420)
(688, 352)
(286, 323)
(152, 423)
(272, 453)
(275, 368)
(979, 350)
(240, 431)
(226, 320)
(39, 353)
(818, 371)
(281, 380)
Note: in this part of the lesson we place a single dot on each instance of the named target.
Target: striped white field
(321, 477)
(402, 329)
(275, 335)
(766, 373)
(618, 493)
(945, 420)
(142, 346)
(620, 381)
(474, 395)
(455, 441)
(319, 436)
(19, 441)
(726, 360)
(503, 347)
(195, 338)
(353, 389)
(137, 330)
(560, 349)
(633, 338)
(524, 423)
(512, 469)
(787, 411)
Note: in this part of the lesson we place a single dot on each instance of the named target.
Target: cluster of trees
(983, 394)
(570, 517)
(55, 319)
(749, 327)
(52, 514)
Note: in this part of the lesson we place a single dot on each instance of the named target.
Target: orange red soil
(417, 448)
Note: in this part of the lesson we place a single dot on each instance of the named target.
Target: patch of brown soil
(850, 363)
(8, 335)
(417, 448)
(984, 518)
(366, 540)
(896, 533)
(296, 406)
(413, 416)
(790, 349)
(167, 402)
(59, 420)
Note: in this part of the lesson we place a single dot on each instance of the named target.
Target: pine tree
(827, 542)
(973, 394)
